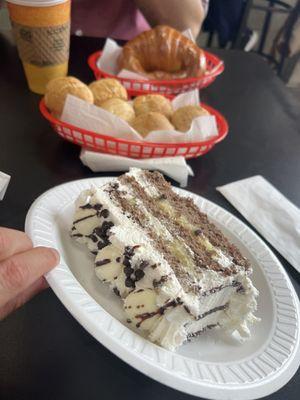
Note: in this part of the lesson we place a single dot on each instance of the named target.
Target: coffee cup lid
(36, 3)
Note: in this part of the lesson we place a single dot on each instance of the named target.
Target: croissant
(163, 53)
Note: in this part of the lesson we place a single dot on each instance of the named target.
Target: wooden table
(44, 352)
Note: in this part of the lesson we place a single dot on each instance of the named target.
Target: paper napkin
(175, 167)
(4, 181)
(271, 213)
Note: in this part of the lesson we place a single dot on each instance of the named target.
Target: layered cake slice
(175, 272)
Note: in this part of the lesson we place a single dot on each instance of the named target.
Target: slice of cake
(175, 271)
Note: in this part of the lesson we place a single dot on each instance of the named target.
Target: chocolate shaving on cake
(87, 206)
(213, 310)
(162, 280)
(77, 235)
(143, 317)
(196, 334)
(104, 213)
(84, 218)
(102, 262)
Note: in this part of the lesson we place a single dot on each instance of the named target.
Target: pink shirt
(118, 19)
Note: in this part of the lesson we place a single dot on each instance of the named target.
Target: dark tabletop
(44, 352)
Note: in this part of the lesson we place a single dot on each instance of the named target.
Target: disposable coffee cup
(42, 33)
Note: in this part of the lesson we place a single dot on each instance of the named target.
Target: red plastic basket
(107, 144)
(215, 67)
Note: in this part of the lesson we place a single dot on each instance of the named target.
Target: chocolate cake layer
(186, 206)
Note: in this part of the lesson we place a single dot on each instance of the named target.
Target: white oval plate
(211, 366)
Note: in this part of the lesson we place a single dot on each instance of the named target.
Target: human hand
(21, 269)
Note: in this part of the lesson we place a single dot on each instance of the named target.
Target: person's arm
(180, 14)
(21, 269)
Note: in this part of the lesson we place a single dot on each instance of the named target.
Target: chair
(282, 65)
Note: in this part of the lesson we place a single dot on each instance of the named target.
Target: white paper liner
(87, 116)
(175, 167)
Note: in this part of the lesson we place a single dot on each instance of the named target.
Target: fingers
(23, 297)
(21, 270)
(12, 242)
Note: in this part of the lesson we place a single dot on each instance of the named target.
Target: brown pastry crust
(58, 89)
(163, 53)
(152, 103)
(182, 118)
(120, 108)
(108, 88)
(152, 121)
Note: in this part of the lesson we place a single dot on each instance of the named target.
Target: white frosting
(138, 175)
(173, 327)
(224, 260)
(239, 315)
